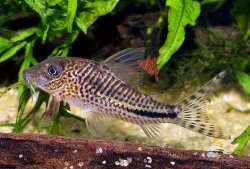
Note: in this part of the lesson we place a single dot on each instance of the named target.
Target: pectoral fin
(97, 123)
(52, 107)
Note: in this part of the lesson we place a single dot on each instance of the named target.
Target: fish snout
(26, 76)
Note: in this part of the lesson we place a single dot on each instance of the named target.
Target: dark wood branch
(39, 151)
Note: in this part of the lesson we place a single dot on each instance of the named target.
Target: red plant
(150, 66)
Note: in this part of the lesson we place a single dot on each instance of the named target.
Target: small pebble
(202, 154)
(148, 166)
(71, 167)
(124, 163)
(149, 159)
(129, 159)
(139, 149)
(66, 163)
(80, 164)
(172, 163)
(117, 163)
(20, 156)
(75, 151)
(99, 150)
(212, 154)
(104, 162)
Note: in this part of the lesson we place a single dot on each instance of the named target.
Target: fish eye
(53, 71)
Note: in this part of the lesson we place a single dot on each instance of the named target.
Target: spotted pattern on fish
(95, 84)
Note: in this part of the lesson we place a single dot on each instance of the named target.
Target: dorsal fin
(125, 64)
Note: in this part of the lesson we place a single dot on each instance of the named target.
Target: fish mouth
(27, 79)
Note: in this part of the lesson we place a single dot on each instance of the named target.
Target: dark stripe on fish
(151, 114)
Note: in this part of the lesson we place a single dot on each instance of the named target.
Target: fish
(109, 89)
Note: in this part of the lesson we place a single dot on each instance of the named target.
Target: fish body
(95, 88)
(105, 89)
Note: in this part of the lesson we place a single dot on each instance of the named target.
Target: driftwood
(39, 151)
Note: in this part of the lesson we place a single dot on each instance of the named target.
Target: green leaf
(44, 37)
(33, 61)
(40, 7)
(26, 63)
(217, 3)
(23, 100)
(27, 59)
(7, 125)
(65, 113)
(81, 25)
(59, 25)
(4, 44)
(92, 11)
(241, 13)
(181, 13)
(244, 80)
(55, 121)
(12, 51)
(25, 34)
(72, 6)
(53, 2)
(59, 50)
(72, 37)
(63, 49)
(242, 140)
(21, 122)
(39, 125)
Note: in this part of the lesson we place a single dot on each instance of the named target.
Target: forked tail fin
(193, 110)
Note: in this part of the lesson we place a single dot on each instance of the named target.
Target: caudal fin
(193, 110)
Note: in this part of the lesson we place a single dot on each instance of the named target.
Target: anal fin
(97, 123)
